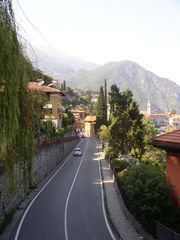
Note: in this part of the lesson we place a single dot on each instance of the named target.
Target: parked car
(77, 152)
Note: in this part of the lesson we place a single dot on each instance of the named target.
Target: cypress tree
(105, 97)
(101, 113)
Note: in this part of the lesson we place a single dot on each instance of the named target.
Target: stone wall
(48, 154)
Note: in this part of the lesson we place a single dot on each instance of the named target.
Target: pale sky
(100, 31)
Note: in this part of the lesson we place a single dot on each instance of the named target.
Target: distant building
(89, 123)
(79, 115)
(95, 97)
(158, 120)
(148, 107)
(54, 106)
(174, 120)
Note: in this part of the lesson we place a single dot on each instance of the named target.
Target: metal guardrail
(164, 233)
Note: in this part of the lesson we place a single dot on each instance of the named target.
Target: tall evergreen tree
(101, 113)
(105, 97)
(126, 127)
(114, 98)
(63, 86)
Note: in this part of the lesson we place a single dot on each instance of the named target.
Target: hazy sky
(144, 31)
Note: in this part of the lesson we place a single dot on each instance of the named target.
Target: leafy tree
(151, 153)
(38, 99)
(67, 118)
(88, 95)
(48, 129)
(101, 111)
(38, 74)
(91, 108)
(73, 99)
(126, 127)
(103, 133)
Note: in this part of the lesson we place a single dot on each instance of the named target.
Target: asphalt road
(70, 206)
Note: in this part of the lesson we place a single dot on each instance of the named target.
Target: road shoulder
(125, 229)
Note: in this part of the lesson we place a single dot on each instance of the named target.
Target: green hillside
(163, 93)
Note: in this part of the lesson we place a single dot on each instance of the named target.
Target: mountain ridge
(145, 85)
(59, 64)
(163, 93)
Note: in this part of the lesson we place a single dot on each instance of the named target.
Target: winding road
(70, 205)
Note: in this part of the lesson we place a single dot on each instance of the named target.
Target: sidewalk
(116, 212)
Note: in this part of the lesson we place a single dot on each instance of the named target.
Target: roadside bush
(151, 200)
(62, 131)
(109, 153)
(48, 129)
(119, 164)
(129, 159)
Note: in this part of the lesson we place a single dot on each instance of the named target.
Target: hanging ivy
(16, 126)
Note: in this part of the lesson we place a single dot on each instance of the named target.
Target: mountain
(58, 64)
(145, 85)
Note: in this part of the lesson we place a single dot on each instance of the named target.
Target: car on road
(77, 152)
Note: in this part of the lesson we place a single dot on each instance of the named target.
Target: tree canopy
(126, 126)
(101, 109)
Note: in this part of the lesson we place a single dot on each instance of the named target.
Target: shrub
(119, 164)
(149, 195)
(109, 153)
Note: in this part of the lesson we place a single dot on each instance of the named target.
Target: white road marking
(33, 200)
(69, 194)
(103, 200)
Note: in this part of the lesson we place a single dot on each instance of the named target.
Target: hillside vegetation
(163, 93)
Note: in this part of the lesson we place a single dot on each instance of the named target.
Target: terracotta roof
(43, 88)
(90, 119)
(168, 141)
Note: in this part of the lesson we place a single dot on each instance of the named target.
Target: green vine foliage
(16, 126)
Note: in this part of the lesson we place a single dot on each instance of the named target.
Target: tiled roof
(90, 119)
(43, 88)
(169, 141)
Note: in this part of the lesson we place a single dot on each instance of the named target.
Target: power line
(48, 43)
(35, 27)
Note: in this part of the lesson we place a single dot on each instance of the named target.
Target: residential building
(54, 108)
(170, 142)
(174, 120)
(158, 120)
(89, 123)
(79, 115)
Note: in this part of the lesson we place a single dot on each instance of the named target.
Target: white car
(77, 152)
